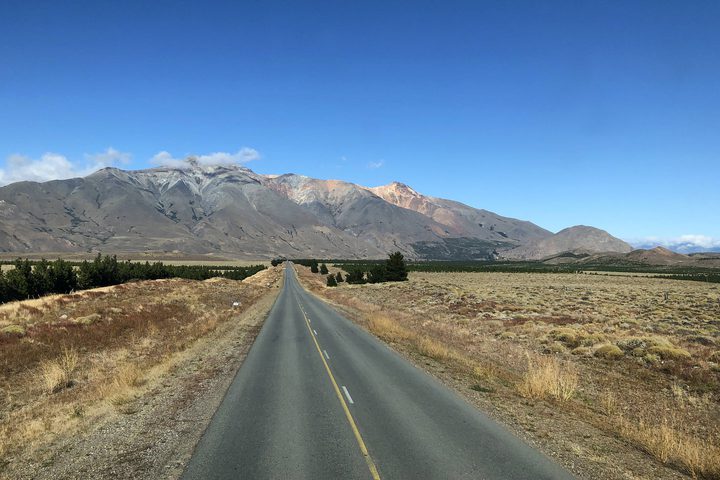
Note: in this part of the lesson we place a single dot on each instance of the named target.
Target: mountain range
(234, 212)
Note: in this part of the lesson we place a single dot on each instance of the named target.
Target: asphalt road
(319, 398)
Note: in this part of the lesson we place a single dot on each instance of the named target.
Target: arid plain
(120, 381)
(615, 374)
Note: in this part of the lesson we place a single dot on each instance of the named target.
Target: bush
(339, 278)
(323, 269)
(609, 351)
(331, 282)
(314, 266)
(669, 352)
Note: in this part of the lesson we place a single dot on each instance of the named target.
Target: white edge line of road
(347, 394)
(326, 354)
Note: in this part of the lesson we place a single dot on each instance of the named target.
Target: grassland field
(605, 367)
(71, 362)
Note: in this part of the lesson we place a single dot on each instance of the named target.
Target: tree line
(34, 279)
(393, 269)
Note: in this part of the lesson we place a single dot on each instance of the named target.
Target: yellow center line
(351, 420)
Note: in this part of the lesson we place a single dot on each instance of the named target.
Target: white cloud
(700, 240)
(165, 159)
(688, 243)
(108, 158)
(244, 155)
(374, 165)
(53, 166)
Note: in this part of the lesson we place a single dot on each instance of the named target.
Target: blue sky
(604, 113)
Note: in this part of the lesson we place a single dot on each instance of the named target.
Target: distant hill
(232, 211)
(579, 239)
(657, 257)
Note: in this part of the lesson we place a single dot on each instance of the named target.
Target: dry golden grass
(57, 374)
(386, 328)
(666, 438)
(433, 349)
(123, 385)
(546, 377)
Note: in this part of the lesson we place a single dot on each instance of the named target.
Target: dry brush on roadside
(70, 360)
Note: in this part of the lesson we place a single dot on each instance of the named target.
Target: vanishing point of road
(319, 398)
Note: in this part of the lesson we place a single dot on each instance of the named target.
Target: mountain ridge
(229, 209)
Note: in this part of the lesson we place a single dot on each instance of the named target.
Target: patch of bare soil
(614, 377)
(140, 396)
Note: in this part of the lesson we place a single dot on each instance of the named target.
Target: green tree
(323, 269)
(339, 278)
(3, 288)
(19, 281)
(42, 284)
(355, 275)
(377, 274)
(395, 268)
(63, 278)
(314, 266)
(331, 281)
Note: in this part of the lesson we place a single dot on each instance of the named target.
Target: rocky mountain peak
(192, 207)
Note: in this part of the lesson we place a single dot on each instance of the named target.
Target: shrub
(331, 281)
(323, 269)
(632, 343)
(592, 339)
(568, 336)
(314, 266)
(339, 278)
(609, 351)
(669, 352)
(16, 330)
